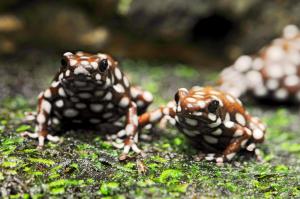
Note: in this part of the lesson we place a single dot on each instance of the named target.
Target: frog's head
(199, 106)
(82, 67)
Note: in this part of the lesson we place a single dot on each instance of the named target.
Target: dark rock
(237, 26)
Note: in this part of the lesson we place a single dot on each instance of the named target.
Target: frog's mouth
(194, 114)
(81, 83)
(75, 81)
(83, 78)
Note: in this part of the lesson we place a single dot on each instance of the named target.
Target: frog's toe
(115, 141)
(258, 155)
(121, 140)
(126, 150)
(219, 158)
(52, 138)
(29, 134)
(120, 135)
(209, 156)
(117, 144)
(123, 157)
(41, 138)
(251, 147)
(129, 144)
(30, 117)
(257, 152)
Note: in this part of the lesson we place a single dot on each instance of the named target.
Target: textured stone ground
(85, 165)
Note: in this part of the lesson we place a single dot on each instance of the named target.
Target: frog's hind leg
(142, 99)
(133, 122)
(43, 121)
(240, 137)
(127, 138)
(258, 133)
(252, 148)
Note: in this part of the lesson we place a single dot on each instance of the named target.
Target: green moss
(178, 188)
(65, 183)
(53, 176)
(23, 128)
(30, 150)
(15, 196)
(109, 188)
(85, 165)
(281, 168)
(42, 161)
(9, 164)
(57, 191)
(170, 176)
(159, 159)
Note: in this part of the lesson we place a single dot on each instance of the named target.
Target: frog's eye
(176, 97)
(64, 62)
(103, 65)
(213, 106)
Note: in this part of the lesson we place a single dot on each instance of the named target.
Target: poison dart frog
(273, 74)
(91, 92)
(214, 121)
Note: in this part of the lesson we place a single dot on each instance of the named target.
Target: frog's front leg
(128, 137)
(43, 118)
(156, 116)
(142, 98)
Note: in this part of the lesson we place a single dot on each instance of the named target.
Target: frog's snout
(181, 93)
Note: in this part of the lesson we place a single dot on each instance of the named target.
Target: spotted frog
(91, 92)
(273, 74)
(214, 121)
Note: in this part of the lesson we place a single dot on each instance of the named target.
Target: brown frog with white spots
(273, 74)
(90, 92)
(215, 122)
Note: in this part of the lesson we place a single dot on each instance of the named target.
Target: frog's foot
(41, 138)
(30, 117)
(166, 120)
(214, 157)
(127, 143)
(257, 153)
(221, 158)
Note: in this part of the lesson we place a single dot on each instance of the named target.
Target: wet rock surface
(84, 164)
